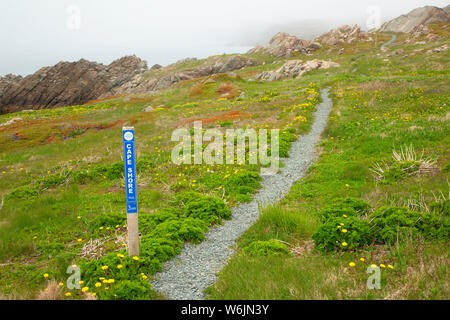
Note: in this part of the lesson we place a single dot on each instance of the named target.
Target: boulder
(283, 45)
(344, 34)
(156, 67)
(232, 63)
(10, 122)
(295, 68)
(443, 48)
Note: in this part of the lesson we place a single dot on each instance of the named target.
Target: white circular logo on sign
(128, 136)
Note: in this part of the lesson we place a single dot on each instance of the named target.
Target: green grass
(391, 106)
(59, 184)
(62, 184)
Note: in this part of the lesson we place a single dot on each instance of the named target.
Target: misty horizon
(35, 35)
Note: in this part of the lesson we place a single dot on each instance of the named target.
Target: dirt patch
(95, 101)
(302, 249)
(114, 189)
(235, 114)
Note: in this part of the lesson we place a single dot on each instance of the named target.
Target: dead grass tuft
(376, 85)
(445, 118)
(97, 248)
(303, 248)
(411, 163)
(52, 292)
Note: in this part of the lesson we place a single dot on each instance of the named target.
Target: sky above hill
(41, 33)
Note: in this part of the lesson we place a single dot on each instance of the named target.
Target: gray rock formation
(73, 83)
(425, 15)
(344, 34)
(149, 82)
(283, 45)
(295, 68)
(66, 83)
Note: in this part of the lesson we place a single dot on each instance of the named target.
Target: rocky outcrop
(425, 15)
(344, 34)
(149, 81)
(156, 67)
(79, 82)
(10, 122)
(67, 83)
(7, 81)
(423, 32)
(295, 68)
(283, 45)
(439, 49)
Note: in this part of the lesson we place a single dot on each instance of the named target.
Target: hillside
(363, 179)
(420, 16)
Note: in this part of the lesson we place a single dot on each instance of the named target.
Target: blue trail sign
(130, 169)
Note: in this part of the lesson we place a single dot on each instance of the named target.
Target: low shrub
(113, 171)
(344, 207)
(242, 185)
(347, 224)
(209, 209)
(343, 233)
(266, 248)
(24, 192)
(130, 290)
(187, 229)
(390, 223)
(52, 181)
(107, 220)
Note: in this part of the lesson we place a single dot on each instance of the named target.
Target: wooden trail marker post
(131, 191)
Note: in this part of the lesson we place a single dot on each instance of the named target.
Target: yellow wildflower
(351, 264)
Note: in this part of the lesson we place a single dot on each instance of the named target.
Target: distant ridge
(425, 15)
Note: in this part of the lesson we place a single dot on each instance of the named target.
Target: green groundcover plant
(350, 224)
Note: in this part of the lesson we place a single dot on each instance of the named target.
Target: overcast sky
(41, 33)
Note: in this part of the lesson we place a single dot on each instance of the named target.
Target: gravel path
(195, 268)
(390, 41)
